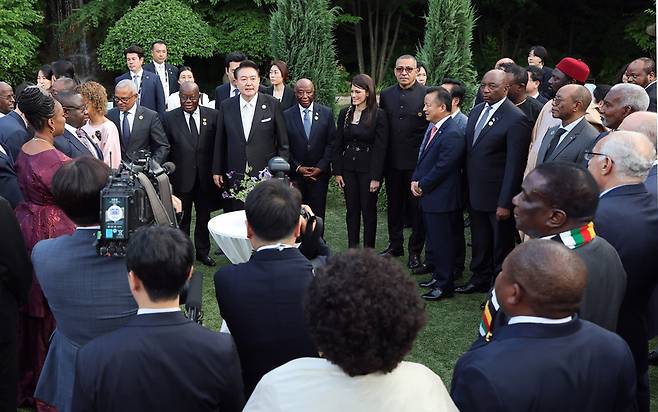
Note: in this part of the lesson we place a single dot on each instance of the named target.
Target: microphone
(194, 297)
(169, 167)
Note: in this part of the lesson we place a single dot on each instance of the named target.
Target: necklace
(43, 140)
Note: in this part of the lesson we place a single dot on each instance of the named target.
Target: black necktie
(554, 142)
(193, 130)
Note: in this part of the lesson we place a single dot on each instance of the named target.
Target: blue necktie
(125, 130)
(307, 123)
(236, 92)
(481, 123)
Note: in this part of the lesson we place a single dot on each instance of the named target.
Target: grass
(451, 324)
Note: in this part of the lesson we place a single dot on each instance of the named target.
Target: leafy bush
(242, 27)
(18, 44)
(302, 36)
(183, 30)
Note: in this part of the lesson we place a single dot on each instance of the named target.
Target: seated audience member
(421, 77)
(627, 217)
(16, 275)
(363, 313)
(642, 72)
(185, 75)
(261, 300)
(546, 358)
(547, 208)
(535, 78)
(159, 360)
(101, 129)
(87, 293)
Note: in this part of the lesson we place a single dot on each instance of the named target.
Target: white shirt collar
(440, 122)
(139, 73)
(612, 188)
(453, 115)
(132, 110)
(496, 105)
(96, 227)
(251, 103)
(278, 246)
(310, 110)
(194, 113)
(71, 129)
(571, 125)
(534, 96)
(147, 311)
(233, 89)
(537, 319)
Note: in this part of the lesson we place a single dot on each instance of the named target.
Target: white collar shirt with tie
(569, 128)
(131, 117)
(494, 107)
(310, 116)
(138, 80)
(86, 143)
(247, 110)
(161, 70)
(197, 119)
(233, 90)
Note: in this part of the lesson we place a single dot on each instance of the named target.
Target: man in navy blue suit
(545, 358)
(261, 300)
(311, 130)
(9, 188)
(497, 140)
(230, 89)
(160, 359)
(14, 130)
(149, 88)
(627, 217)
(436, 182)
(168, 73)
(645, 123)
(75, 142)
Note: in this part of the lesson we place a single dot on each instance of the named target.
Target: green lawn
(451, 324)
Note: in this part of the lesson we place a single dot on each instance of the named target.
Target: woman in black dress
(359, 155)
(278, 78)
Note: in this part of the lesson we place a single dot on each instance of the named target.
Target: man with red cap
(568, 71)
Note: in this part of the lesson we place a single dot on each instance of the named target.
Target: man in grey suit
(87, 293)
(139, 128)
(458, 92)
(569, 141)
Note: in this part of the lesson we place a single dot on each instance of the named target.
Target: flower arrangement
(241, 187)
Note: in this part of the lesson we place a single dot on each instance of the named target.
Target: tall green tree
(175, 23)
(18, 44)
(302, 36)
(446, 48)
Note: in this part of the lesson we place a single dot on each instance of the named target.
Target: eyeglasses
(188, 98)
(401, 69)
(589, 155)
(124, 99)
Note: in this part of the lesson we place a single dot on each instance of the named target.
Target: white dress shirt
(147, 311)
(314, 384)
(310, 113)
(247, 110)
(494, 107)
(233, 89)
(536, 319)
(2, 115)
(131, 117)
(197, 119)
(161, 71)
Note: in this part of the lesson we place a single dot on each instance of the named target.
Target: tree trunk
(358, 35)
(388, 48)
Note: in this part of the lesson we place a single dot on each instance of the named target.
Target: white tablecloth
(230, 232)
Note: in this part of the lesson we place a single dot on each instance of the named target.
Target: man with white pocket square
(251, 130)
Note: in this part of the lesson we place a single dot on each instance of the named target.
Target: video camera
(136, 195)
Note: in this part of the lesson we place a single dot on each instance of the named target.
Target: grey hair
(632, 95)
(126, 84)
(632, 153)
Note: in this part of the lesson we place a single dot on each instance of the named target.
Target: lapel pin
(141, 117)
(420, 114)
(264, 107)
(316, 117)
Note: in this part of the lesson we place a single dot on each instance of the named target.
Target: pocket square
(266, 120)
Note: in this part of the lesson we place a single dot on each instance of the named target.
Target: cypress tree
(446, 48)
(302, 36)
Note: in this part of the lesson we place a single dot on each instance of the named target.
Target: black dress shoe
(429, 284)
(471, 288)
(414, 261)
(423, 269)
(437, 293)
(206, 260)
(390, 251)
(653, 358)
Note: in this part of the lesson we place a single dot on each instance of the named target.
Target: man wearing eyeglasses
(403, 104)
(75, 142)
(191, 130)
(139, 128)
(627, 217)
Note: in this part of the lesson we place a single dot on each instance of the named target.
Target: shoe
(414, 261)
(206, 260)
(437, 293)
(219, 252)
(653, 358)
(390, 251)
(423, 269)
(469, 288)
(429, 284)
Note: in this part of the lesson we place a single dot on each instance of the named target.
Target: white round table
(229, 230)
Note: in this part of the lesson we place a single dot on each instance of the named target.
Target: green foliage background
(302, 36)
(18, 43)
(175, 23)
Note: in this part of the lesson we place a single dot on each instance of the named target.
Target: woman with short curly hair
(101, 129)
(364, 313)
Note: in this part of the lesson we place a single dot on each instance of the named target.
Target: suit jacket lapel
(138, 123)
(259, 111)
(77, 143)
(297, 121)
(495, 117)
(314, 120)
(435, 139)
(570, 137)
(203, 126)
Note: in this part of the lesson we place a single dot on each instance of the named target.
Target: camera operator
(88, 294)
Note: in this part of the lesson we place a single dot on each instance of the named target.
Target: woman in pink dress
(100, 128)
(39, 219)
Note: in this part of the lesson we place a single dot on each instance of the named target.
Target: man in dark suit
(148, 85)
(403, 105)
(311, 129)
(517, 79)
(75, 142)
(7, 99)
(627, 217)
(159, 359)
(168, 73)
(14, 132)
(251, 129)
(569, 141)
(16, 275)
(139, 128)
(437, 184)
(230, 89)
(457, 90)
(642, 72)
(192, 130)
(535, 80)
(9, 188)
(546, 358)
(270, 285)
(497, 140)
(645, 123)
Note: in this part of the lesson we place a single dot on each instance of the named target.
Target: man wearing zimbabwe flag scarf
(558, 202)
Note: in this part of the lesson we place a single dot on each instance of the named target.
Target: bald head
(7, 98)
(304, 83)
(494, 86)
(571, 102)
(503, 61)
(304, 92)
(541, 278)
(63, 84)
(189, 87)
(641, 122)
